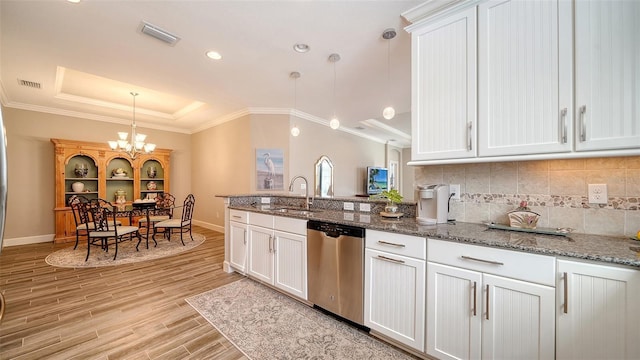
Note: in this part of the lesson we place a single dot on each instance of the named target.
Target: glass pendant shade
(388, 113)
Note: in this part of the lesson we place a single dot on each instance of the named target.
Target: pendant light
(334, 123)
(295, 131)
(389, 112)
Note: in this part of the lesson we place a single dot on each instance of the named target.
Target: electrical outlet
(347, 206)
(365, 207)
(265, 200)
(303, 186)
(454, 189)
(598, 193)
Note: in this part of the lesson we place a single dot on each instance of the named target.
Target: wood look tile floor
(133, 311)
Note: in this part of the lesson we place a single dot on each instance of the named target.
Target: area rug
(127, 253)
(265, 324)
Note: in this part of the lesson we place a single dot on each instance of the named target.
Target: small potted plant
(393, 199)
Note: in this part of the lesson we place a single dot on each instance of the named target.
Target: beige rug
(127, 253)
(264, 324)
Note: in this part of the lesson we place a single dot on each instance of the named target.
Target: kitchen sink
(294, 211)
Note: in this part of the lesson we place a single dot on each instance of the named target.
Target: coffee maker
(433, 204)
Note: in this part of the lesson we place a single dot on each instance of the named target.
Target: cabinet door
(394, 297)
(261, 253)
(518, 319)
(525, 75)
(598, 311)
(238, 246)
(444, 88)
(454, 312)
(291, 263)
(607, 50)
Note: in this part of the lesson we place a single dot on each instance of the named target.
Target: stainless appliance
(335, 269)
(433, 204)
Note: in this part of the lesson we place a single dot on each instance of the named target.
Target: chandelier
(137, 145)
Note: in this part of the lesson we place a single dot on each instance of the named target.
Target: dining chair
(165, 203)
(106, 228)
(81, 218)
(183, 224)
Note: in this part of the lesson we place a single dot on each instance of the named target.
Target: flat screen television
(377, 180)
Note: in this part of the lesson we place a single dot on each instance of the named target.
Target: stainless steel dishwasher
(335, 269)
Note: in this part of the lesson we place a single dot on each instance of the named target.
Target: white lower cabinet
(238, 246)
(278, 252)
(394, 295)
(482, 303)
(598, 311)
(238, 240)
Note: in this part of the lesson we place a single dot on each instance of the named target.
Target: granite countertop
(607, 249)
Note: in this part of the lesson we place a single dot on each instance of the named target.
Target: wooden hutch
(99, 181)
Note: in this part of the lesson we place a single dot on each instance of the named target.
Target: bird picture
(269, 169)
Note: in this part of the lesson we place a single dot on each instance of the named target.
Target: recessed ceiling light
(301, 48)
(73, 1)
(214, 55)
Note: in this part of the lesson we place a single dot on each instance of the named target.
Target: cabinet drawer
(261, 220)
(513, 264)
(291, 225)
(400, 244)
(238, 216)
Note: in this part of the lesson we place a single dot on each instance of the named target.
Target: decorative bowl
(119, 172)
(524, 219)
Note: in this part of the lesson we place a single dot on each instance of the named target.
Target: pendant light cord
(334, 89)
(389, 67)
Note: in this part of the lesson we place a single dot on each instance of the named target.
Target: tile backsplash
(555, 189)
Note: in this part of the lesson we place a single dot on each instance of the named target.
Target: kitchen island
(460, 290)
(600, 248)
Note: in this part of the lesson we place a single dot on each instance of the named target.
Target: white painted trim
(209, 226)
(29, 240)
(553, 156)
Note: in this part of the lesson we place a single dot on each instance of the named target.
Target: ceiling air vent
(31, 84)
(158, 33)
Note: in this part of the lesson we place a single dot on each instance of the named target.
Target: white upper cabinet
(524, 58)
(444, 88)
(607, 58)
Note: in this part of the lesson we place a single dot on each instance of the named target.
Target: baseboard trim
(28, 240)
(209, 226)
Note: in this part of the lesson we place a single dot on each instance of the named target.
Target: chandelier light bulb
(389, 112)
(334, 123)
(295, 131)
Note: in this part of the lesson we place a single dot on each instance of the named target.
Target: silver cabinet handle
(389, 243)
(469, 143)
(390, 259)
(482, 260)
(270, 247)
(487, 302)
(475, 302)
(566, 294)
(563, 126)
(236, 217)
(583, 125)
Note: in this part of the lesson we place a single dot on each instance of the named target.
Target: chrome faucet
(308, 200)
